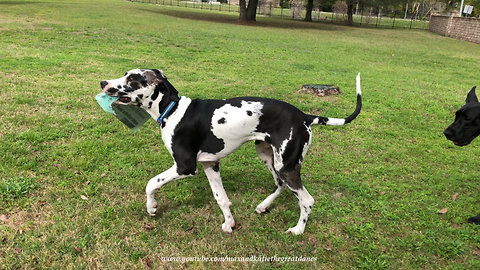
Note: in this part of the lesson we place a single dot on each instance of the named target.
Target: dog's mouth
(466, 142)
(123, 100)
(461, 143)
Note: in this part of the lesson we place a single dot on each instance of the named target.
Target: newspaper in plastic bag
(132, 116)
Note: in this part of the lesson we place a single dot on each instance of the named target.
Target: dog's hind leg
(265, 153)
(305, 200)
(157, 182)
(213, 174)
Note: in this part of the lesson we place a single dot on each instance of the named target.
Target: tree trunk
(349, 13)
(248, 12)
(308, 15)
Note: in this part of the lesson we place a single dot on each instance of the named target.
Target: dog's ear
(152, 77)
(171, 91)
(472, 97)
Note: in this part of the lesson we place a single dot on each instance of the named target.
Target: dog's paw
(261, 209)
(228, 226)
(152, 207)
(295, 230)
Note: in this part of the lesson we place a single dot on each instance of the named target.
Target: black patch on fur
(304, 221)
(216, 167)
(112, 90)
(249, 113)
(140, 96)
(193, 134)
(150, 104)
(136, 81)
(221, 120)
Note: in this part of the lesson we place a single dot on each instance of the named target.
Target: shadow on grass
(12, 3)
(229, 19)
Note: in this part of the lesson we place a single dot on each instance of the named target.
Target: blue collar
(165, 112)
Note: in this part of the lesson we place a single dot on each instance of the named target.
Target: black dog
(465, 128)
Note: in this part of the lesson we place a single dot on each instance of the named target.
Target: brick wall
(456, 27)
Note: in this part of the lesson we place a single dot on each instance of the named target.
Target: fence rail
(363, 17)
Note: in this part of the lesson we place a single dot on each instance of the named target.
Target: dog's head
(466, 126)
(140, 87)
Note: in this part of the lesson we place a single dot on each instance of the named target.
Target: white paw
(227, 226)
(152, 207)
(261, 209)
(295, 230)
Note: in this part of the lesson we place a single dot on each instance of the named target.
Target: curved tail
(342, 121)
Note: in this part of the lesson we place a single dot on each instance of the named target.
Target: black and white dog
(466, 127)
(205, 131)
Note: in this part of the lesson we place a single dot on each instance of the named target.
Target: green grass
(378, 182)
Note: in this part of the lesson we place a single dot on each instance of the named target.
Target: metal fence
(296, 10)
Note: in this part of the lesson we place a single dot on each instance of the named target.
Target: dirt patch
(320, 90)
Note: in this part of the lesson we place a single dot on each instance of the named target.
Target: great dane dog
(205, 131)
(466, 127)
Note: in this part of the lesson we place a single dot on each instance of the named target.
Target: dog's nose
(103, 84)
(448, 133)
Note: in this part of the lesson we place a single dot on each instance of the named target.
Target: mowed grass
(72, 178)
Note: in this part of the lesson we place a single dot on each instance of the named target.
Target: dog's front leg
(156, 183)
(213, 174)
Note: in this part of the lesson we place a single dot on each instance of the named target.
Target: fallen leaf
(3, 218)
(443, 211)
(56, 165)
(77, 249)
(454, 197)
(18, 250)
(77, 173)
(42, 203)
(148, 262)
(103, 175)
(327, 248)
(85, 198)
(148, 227)
(237, 226)
(476, 252)
(338, 195)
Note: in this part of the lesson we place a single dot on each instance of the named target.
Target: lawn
(72, 178)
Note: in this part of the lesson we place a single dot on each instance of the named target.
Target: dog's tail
(328, 121)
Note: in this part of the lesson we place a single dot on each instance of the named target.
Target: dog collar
(165, 113)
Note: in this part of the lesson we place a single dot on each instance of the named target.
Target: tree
(308, 14)
(350, 5)
(325, 5)
(248, 12)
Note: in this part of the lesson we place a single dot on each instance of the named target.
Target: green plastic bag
(132, 116)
